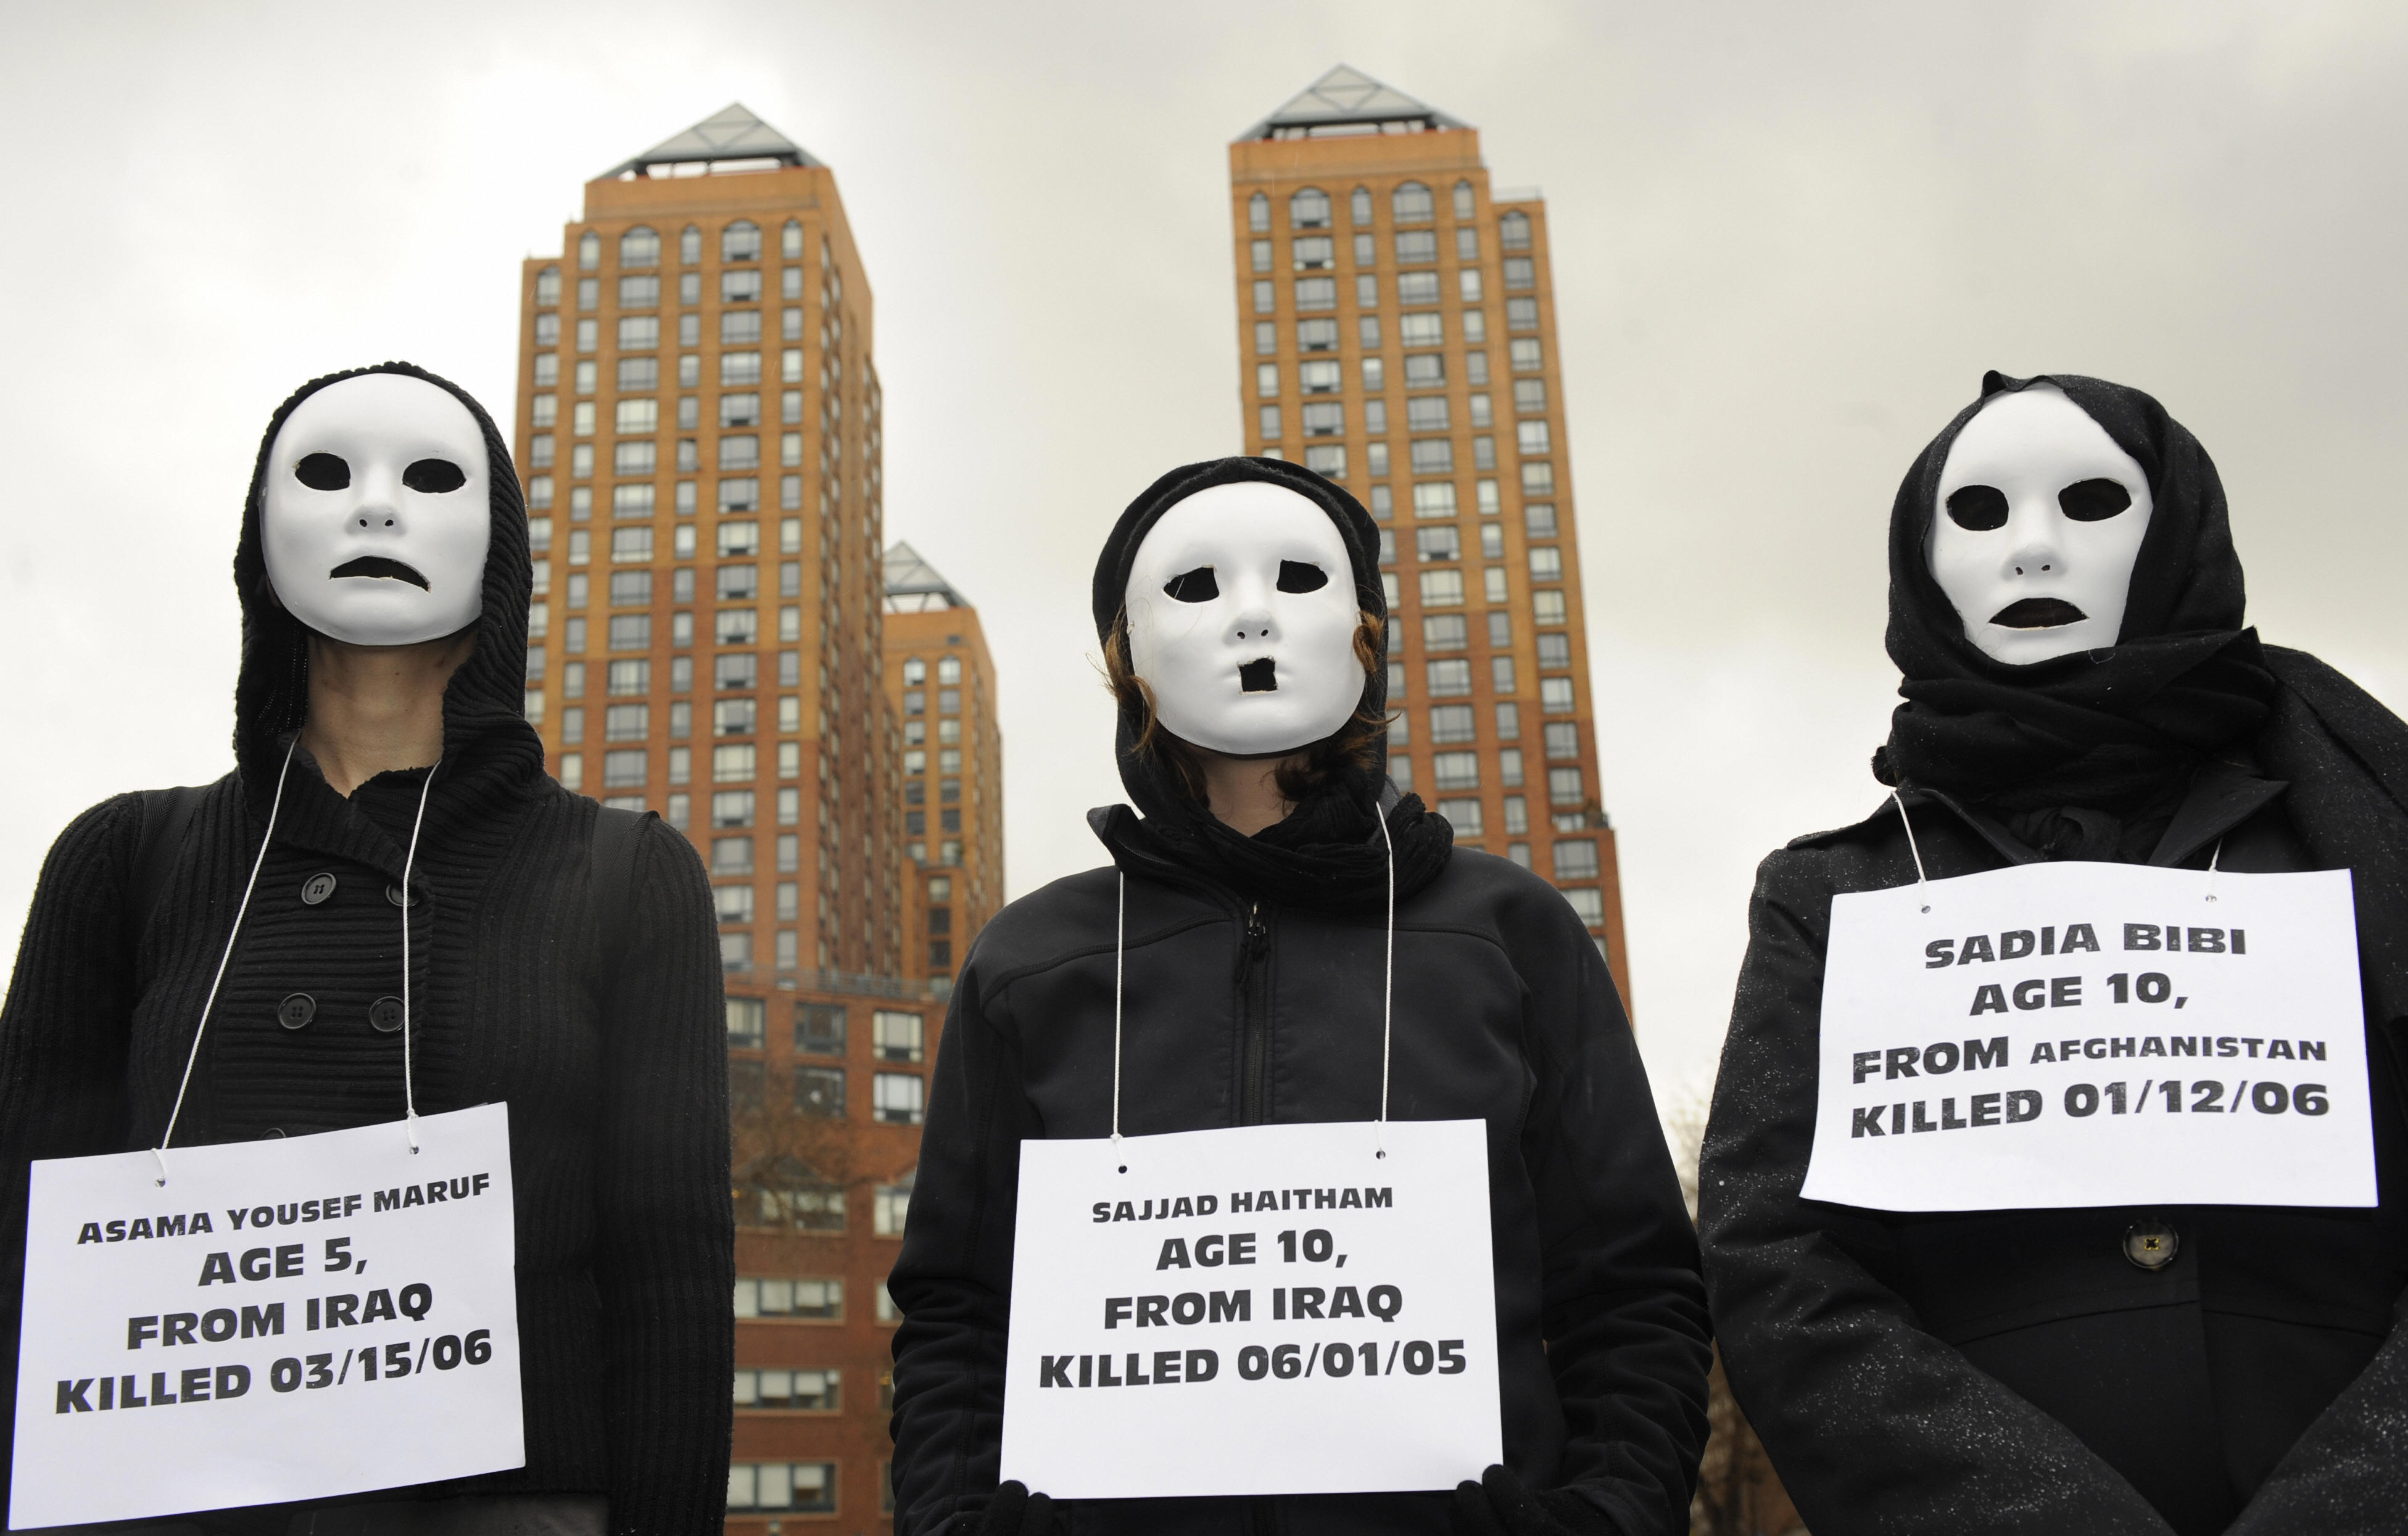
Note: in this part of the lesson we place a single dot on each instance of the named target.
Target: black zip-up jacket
(2013, 1372)
(1241, 1013)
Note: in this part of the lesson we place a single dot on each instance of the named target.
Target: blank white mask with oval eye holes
(2038, 523)
(375, 521)
(1241, 617)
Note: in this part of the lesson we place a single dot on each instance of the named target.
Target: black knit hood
(1328, 852)
(486, 738)
(2097, 727)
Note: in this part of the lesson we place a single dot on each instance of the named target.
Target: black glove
(1012, 1511)
(1502, 1504)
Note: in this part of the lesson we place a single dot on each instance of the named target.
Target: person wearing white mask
(563, 962)
(1266, 864)
(2067, 610)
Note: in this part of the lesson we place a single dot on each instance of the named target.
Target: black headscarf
(1328, 852)
(2102, 732)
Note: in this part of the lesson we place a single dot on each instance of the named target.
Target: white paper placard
(2079, 1034)
(290, 1318)
(1264, 1310)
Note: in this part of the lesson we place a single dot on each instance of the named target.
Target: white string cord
(1908, 822)
(1387, 991)
(160, 1151)
(1120, 954)
(409, 862)
(2211, 860)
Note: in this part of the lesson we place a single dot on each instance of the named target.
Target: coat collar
(2221, 797)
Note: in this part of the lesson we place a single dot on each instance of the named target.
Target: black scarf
(1328, 853)
(2095, 739)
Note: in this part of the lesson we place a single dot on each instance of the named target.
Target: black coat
(2011, 1370)
(1242, 1014)
(613, 1069)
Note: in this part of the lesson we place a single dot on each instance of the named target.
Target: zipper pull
(1258, 936)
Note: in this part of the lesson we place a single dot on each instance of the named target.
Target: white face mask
(375, 520)
(1241, 620)
(2039, 521)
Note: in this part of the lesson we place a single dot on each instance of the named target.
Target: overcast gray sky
(1789, 239)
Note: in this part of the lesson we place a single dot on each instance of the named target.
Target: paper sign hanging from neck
(2078, 1034)
(1263, 1310)
(284, 1319)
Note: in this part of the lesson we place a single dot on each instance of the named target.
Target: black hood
(1328, 852)
(2099, 727)
(487, 739)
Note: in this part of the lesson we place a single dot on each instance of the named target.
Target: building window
(1539, 479)
(631, 632)
(814, 1390)
(1258, 213)
(623, 770)
(1427, 413)
(731, 808)
(1266, 338)
(1422, 329)
(740, 368)
(1266, 297)
(1426, 370)
(1442, 589)
(640, 333)
(733, 764)
(1324, 418)
(1564, 786)
(1316, 336)
(895, 1035)
(1326, 459)
(1434, 499)
(734, 903)
(1417, 288)
(820, 1091)
(1555, 695)
(1262, 255)
(818, 1301)
(738, 327)
(1576, 859)
(589, 250)
(1439, 541)
(1521, 314)
(1547, 608)
(819, 1028)
(1464, 815)
(806, 1488)
(729, 855)
(1451, 723)
(1410, 203)
(1546, 563)
(1433, 456)
(1587, 901)
(1529, 396)
(1527, 358)
(1563, 740)
(740, 242)
(1317, 253)
(738, 625)
(1513, 231)
(1456, 770)
(899, 1099)
(892, 1204)
(1450, 677)
(1309, 210)
(1267, 422)
(1267, 381)
(1316, 292)
(1416, 247)
(747, 1021)
(639, 292)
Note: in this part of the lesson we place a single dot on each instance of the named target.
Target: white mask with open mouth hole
(1241, 618)
(2039, 521)
(375, 521)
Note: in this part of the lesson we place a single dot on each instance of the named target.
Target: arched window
(740, 241)
(790, 240)
(640, 247)
(950, 670)
(589, 250)
(690, 247)
(1309, 210)
(1359, 205)
(1513, 231)
(1464, 207)
(546, 286)
(1411, 203)
(1258, 214)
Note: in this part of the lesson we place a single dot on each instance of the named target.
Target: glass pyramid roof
(732, 133)
(1347, 99)
(913, 585)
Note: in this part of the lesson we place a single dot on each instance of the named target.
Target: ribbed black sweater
(613, 1067)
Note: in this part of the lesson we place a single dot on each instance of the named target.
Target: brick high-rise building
(698, 426)
(699, 430)
(1397, 323)
(941, 682)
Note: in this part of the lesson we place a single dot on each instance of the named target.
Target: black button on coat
(1504, 1012)
(2015, 1372)
(613, 1070)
